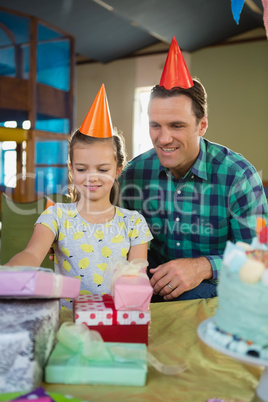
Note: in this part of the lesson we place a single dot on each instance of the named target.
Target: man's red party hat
(175, 72)
(98, 120)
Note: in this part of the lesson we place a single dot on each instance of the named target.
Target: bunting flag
(265, 15)
(237, 6)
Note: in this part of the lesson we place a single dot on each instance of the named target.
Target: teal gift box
(81, 357)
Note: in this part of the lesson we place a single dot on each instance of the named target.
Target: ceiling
(112, 29)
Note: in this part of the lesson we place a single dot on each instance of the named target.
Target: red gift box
(99, 314)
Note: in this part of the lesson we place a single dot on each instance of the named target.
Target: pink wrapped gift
(131, 288)
(100, 310)
(36, 282)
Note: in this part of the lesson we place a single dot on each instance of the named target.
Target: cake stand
(262, 389)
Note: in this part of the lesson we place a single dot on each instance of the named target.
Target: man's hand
(175, 277)
(51, 254)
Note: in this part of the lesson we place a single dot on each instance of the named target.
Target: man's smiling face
(175, 133)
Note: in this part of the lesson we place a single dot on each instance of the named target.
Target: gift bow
(90, 345)
(132, 268)
(79, 339)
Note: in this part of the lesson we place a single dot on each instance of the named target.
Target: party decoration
(175, 72)
(98, 120)
(237, 6)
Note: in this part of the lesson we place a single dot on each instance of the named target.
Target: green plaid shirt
(217, 200)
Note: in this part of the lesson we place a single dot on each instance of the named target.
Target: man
(195, 195)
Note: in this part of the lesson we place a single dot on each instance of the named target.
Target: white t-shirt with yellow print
(82, 249)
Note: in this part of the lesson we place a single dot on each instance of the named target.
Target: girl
(87, 232)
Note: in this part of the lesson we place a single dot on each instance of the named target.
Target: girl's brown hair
(119, 153)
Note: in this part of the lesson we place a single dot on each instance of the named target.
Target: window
(141, 137)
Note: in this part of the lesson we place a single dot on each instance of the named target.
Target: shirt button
(179, 191)
(192, 176)
(178, 244)
(177, 219)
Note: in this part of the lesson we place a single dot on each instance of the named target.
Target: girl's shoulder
(63, 206)
(127, 213)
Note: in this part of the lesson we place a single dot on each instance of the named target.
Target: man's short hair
(197, 93)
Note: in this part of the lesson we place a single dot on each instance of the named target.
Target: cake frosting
(240, 323)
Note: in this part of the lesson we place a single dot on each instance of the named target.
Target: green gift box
(81, 357)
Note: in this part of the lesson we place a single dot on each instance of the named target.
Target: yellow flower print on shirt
(106, 252)
(78, 277)
(97, 279)
(133, 233)
(117, 239)
(102, 266)
(119, 213)
(87, 248)
(99, 234)
(61, 236)
(83, 263)
(124, 252)
(67, 224)
(65, 251)
(46, 212)
(85, 292)
(71, 214)
(66, 265)
(137, 221)
(78, 235)
(55, 225)
(59, 212)
(122, 225)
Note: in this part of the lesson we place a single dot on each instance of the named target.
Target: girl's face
(94, 169)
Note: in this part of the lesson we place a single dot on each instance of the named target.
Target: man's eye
(103, 170)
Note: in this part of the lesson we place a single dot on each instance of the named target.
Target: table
(173, 340)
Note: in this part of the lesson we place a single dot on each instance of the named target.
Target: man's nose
(165, 136)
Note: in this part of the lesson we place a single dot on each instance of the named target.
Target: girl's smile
(95, 170)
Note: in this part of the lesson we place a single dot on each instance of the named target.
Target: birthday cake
(241, 320)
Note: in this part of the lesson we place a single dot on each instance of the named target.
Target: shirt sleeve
(216, 263)
(139, 231)
(49, 218)
(247, 202)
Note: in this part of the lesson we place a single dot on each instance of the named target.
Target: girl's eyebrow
(101, 164)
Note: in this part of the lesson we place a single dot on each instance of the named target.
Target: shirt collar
(199, 168)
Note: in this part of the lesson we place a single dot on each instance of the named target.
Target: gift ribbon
(89, 345)
(126, 268)
(57, 285)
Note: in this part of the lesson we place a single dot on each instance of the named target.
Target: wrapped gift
(36, 282)
(81, 357)
(98, 312)
(129, 284)
(38, 395)
(27, 335)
